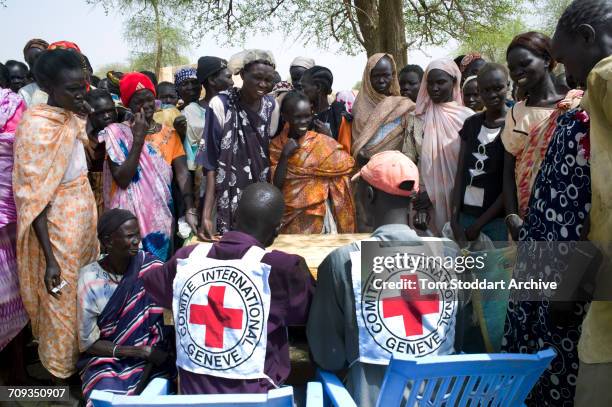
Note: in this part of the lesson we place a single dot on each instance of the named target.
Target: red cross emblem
(215, 317)
(411, 305)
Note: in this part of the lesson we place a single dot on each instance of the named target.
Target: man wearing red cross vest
(231, 326)
(345, 336)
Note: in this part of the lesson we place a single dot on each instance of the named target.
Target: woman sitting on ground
(122, 334)
(313, 171)
(142, 158)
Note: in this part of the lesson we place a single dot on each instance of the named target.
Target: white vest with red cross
(221, 310)
(397, 314)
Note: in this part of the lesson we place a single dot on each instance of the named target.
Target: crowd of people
(105, 182)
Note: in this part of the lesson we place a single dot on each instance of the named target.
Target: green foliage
(113, 66)
(550, 11)
(357, 85)
(492, 44)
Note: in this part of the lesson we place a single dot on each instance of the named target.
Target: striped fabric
(130, 318)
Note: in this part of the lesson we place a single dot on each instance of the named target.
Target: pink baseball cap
(387, 170)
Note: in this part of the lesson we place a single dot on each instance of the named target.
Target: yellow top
(596, 341)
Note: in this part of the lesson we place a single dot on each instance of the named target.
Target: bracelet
(114, 349)
(507, 216)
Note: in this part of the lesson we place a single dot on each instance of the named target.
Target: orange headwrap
(131, 83)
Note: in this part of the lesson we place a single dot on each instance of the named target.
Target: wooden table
(314, 248)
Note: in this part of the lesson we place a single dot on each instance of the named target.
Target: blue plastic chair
(156, 394)
(456, 380)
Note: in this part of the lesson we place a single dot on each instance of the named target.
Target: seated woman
(477, 197)
(317, 85)
(142, 159)
(121, 330)
(313, 171)
(440, 107)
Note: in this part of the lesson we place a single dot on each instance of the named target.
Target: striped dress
(117, 309)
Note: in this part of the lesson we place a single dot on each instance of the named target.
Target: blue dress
(559, 204)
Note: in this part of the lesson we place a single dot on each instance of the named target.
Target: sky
(100, 38)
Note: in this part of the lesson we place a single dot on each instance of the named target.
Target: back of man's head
(260, 212)
(388, 182)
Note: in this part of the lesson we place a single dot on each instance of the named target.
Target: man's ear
(370, 194)
(587, 33)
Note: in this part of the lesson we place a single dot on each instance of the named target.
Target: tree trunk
(392, 30)
(158, 39)
(382, 27)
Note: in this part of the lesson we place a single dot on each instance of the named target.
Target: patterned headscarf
(238, 61)
(468, 59)
(64, 45)
(184, 74)
(281, 87)
(133, 82)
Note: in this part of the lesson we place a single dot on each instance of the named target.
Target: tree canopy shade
(492, 44)
(392, 26)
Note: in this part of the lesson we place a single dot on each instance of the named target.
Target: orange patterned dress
(50, 171)
(318, 180)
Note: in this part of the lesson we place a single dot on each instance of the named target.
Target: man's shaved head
(260, 212)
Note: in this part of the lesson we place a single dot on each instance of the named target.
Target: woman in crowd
(317, 85)
(477, 197)
(471, 64)
(214, 76)
(381, 118)
(558, 210)
(440, 107)
(112, 299)
(142, 158)
(31, 93)
(19, 75)
(526, 134)
(471, 95)
(380, 113)
(237, 134)
(13, 316)
(56, 210)
(313, 171)
(410, 78)
(190, 125)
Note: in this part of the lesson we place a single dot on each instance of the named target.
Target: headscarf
(131, 83)
(35, 43)
(468, 59)
(441, 142)
(367, 101)
(238, 61)
(64, 45)
(348, 98)
(111, 220)
(281, 87)
(303, 62)
(184, 74)
(208, 66)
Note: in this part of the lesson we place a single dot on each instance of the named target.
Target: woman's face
(471, 96)
(124, 242)
(299, 117)
(167, 95)
(493, 87)
(222, 80)
(143, 99)
(257, 80)
(381, 76)
(526, 68)
(69, 89)
(410, 83)
(440, 86)
(189, 90)
(310, 89)
(104, 113)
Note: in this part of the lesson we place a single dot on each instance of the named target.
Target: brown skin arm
(281, 169)
(52, 273)
(123, 174)
(105, 349)
(185, 184)
(458, 230)
(494, 210)
(510, 199)
(207, 231)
